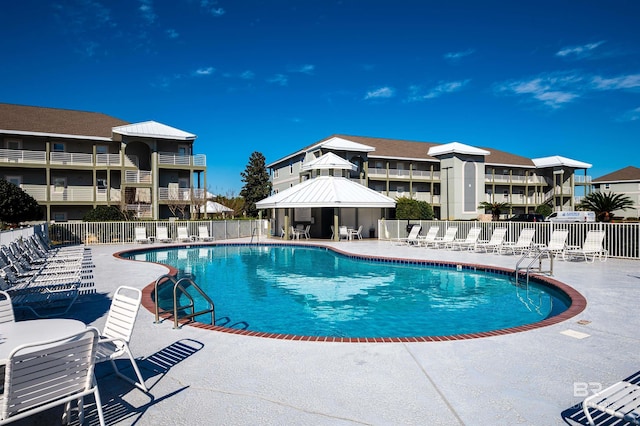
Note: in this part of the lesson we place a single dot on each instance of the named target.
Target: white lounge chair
(524, 243)
(447, 239)
(203, 234)
(141, 235)
(412, 238)
(6, 308)
(55, 299)
(162, 234)
(430, 238)
(620, 400)
(44, 375)
(468, 243)
(592, 247)
(495, 243)
(306, 232)
(557, 242)
(183, 234)
(115, 337)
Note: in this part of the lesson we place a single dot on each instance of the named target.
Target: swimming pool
(311, 291)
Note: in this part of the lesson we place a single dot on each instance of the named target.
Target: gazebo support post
(286, 224)
(336, 233)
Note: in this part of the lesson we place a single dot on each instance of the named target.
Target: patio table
(14, 334)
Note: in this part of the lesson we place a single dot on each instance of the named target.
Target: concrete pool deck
(199, 376)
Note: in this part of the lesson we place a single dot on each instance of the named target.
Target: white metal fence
(622, 240)
(124, 232)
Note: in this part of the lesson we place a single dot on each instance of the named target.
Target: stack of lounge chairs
(44, 280)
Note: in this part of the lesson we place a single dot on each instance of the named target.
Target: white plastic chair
(6, 308)
(412, 238)
(620, 400)
(162, 234)
(141, 235)
(183, 234)
(430, 238)
(557, 242)
(469, 243)
(356, 233)
(343, 233)
(203, 234)
(592, 246)
(43, 375)
(114, 340)
(495, 243)
(447, 239)
(525, 241)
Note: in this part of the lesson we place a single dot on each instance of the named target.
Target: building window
(16, 180)
(58, 147)
(291, 168)
(13, 143)
(59, 184)
(276, 173)
(102, 149)
(606, 186)
(60, 216)
(183, 150)
(101, 183)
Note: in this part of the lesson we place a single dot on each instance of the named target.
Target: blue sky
(535, 78)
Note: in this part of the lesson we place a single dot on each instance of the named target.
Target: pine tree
(257, 185)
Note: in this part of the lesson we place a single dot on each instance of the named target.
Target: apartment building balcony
(70, 193)
(180, 194)
(140, 210)
(137, 176)
(403, 174)
(177, 159)
(582, 180)
(20, 156)
(515, 179)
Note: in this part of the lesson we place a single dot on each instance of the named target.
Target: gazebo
(325, 201)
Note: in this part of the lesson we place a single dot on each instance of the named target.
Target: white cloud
(633, 115)
(381, 93)
(553, 90)
(146, 8)
(416, 93)
(304, 69)
(279, 79)
(456, 56)
(171, 33)
(579, 51)
(205, 71)
(210, 6)
(247, 75)
(623, 82)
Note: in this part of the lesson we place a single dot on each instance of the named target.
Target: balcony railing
(141, 211)
(20, 156)
(108, 159)
(137, 176)
(86, 159)
(176, 159)
(72, 193)
(180, 194)
(38, 192)
(517, 179)
(404, 174)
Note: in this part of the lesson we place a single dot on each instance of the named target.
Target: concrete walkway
(203, 377)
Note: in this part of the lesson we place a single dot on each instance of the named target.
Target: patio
(198, 376)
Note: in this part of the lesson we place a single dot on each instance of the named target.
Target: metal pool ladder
(531, 267)
(190, 307)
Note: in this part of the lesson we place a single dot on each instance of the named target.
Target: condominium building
(625, 181)
(453, 177)
(73, 161)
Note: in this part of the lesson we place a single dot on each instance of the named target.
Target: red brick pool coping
(578, 302)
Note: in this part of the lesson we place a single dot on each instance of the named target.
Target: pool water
(317, 292)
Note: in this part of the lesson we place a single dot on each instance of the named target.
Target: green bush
(104, 214)
(406, 208)
(544, 209)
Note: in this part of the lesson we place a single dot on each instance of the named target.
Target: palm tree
(604, 204)
(495, 208)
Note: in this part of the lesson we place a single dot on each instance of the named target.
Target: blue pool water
(317, 292)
